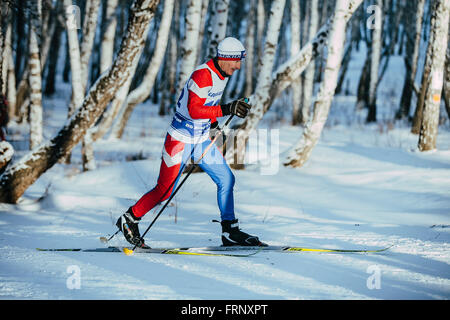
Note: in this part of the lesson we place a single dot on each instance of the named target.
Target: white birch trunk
(430, 121)
(418, 112)
(87, 152)
(141, 93)
(412, 57)
(308, 82)
(9, 80)
(260, 24)
(87, 43)
(201, 33)
(262, 90)
(35, 80)
(79, 63)
(234, 86)
(107, 45)
(189, 48)
(219, 26)
(11, 94)
(301, 152)
(75, 60)
(295, 48)
(250, 49)
(2, 42)
(23, 89)
(375, 61)
(24, 172)
(89, 28)
(168, 96)
(6, 45)
(48, 30)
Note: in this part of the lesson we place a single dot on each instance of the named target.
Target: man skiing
(188, 138)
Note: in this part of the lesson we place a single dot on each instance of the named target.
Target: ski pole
(187, 176)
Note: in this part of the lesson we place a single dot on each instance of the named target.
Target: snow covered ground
(363, 187)
(360, 189)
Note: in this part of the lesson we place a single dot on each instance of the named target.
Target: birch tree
(79, 62)
(260, 25)
(168, 97)
(250, 49)
(109, 26)
(75, 59)
(414, 19)
(189, 47)
(2, 48)
(35, 84)
(263, 84)
(8, 81)
(418, 112)
(283, 76)
(107, 44)
(141, 93)
(45, 18)
(236, 27)
(11, 92)
(311, 134)
(308, 82)
(89, 27)
(432, 102)
(351, 43)
(446, 88)
(201, 34)
(375, 59)
(294, 67)
(296, 86)
(24, 172)
(5, 50)
(219, 26)
(54, 51)
(393, 16)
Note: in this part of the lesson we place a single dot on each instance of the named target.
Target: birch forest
(100, 60)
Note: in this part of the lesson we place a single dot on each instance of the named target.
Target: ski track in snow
(366, 204)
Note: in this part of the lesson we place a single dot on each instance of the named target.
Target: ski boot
(128, 225)
(233, 236)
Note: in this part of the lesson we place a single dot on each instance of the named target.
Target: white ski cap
(230, 49)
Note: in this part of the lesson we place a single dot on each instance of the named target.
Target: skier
(188, 137)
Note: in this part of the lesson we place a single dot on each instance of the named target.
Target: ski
(109, 249)
(129, 251)
(185, 251)
(297, 249)
(214, 250)
(289, 249)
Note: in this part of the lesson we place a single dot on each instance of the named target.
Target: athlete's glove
(236, 107)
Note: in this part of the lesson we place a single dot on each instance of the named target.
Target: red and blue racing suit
(187, 138)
